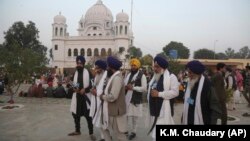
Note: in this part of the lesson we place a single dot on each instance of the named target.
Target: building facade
(98, 36)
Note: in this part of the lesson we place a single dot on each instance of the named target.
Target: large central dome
(98, 12)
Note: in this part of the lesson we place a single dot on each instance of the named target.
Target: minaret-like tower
(59, 34)
(122, 34)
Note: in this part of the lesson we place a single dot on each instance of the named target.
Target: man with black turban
(201, 105)
(80, 103)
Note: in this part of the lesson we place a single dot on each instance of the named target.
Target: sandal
(74, 133)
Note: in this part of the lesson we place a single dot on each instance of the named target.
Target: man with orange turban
(135, 84)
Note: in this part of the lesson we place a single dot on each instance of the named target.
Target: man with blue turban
(114, 106)
(135, 84)
(80, 103)
(97, 90)
(201, 105)
(163, 87)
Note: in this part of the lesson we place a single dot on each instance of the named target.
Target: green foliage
(230, 53)
(244, 52)
(147, 60)
(135, 52)
(22, 54)
(204, 54)
(51, 54)
(183, 51)
(221, 56)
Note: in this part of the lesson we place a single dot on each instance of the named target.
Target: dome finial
(99, 2)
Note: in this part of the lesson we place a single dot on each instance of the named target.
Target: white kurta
(96, 107)
(171, 90)
(85, 85)
(198, 118)
(133, 110)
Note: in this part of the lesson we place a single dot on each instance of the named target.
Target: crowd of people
(112, 101)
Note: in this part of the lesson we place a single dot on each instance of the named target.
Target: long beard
(158, 75)
(134, 71)
(79, 69)
(192, 82)
(98, 77)
(109, 73)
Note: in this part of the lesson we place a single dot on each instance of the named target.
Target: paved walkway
(49, 119)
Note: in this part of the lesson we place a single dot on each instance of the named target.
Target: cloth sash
(165, 106)
(105, 103)
(95, 108)
(85, 85)
(129, 92)
(198, 118)
(166, 85)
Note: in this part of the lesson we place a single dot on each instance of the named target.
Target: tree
(204, 54)
(229, 53)
(135, 52)
(22, 53)
(183, 52)
(221, 55)
(147, 60)
(51, 54)
(244, 52)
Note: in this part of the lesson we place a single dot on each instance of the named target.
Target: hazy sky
(195, 23)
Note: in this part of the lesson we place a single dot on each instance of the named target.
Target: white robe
(96, 102)
(171, 90)
(198, 118)
(133, 110)
(85, 85)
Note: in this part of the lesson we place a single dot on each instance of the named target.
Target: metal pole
(131, 14)
(214, 47)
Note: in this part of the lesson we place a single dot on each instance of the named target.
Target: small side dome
(59, 19)
(122, 17)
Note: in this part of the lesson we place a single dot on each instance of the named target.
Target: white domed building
(98, 36)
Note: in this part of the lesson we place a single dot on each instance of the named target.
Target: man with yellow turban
(135, 85)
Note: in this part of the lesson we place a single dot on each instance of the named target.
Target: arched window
(89, 52)
(100, 34)
(121, 49)
(82, 52)
(109, 51)
(75, 52)
(61, 31)
(81, 25)
(120, 29)
(126, 30)
(96, 52)
(56, 31)
(103, 52)
(116, 30)
(56, 47)
(94, 34)
(69, 52)
(65, 31)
